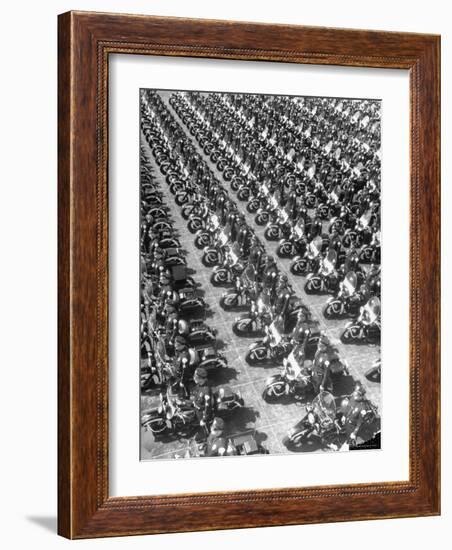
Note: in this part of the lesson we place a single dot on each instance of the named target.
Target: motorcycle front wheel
(202, 240)
(299, 268)
(195, 224)
(284, 250)
(228, 302)
(256, 356)
(274, 392)
(210, 258)
(262, 218)
(351, 335)
(272, 233)
(219, 278)
(158, 427)
(296, 441)
(313, 285)
(242, 327)
(243, 194)
(333, 310)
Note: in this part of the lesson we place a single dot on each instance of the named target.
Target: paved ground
(269, 422)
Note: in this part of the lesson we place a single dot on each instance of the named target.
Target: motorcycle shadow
(310, 446)
(242, 418)
(208, 312)
(171, 437)
(224, 376)
(301, 401)
(369, 430)
(220, 344)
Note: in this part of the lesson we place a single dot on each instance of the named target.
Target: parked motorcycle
(293, 380)
(172, 415)
(366, 328)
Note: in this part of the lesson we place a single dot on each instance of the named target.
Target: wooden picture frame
(85, 42)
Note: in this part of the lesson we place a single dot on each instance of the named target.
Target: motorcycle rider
(304, 327)
(354, 411)
(202, 397)
(321, 372)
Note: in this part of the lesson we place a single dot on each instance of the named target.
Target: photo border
(85, 42)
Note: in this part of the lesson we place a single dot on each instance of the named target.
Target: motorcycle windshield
(263, 303)
(373, 307)
(364, 220)
(215, 221)
(299, 230)
(331, 257)
(223, 238)
(293, 365)
(350, 282)
(316, 246)
(250, 274)
(324, 406)
(274, 332)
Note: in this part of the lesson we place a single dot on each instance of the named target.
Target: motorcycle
(326, 279)
(232, 267)
(366, 328)
(347, 302)
(173, 415)
(294, 244)
(374, 372)
(317, 427)
(214, 254)
(275, 230)
(293, 380)
(205, 237)
(253, 323)
(273, 348)
(310, 260)
(242, 295)
(190, 303)
(371, 253)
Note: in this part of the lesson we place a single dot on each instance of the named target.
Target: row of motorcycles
(179, 355)
(322, 205)
(231, 248)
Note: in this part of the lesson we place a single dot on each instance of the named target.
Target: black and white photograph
(260, 303)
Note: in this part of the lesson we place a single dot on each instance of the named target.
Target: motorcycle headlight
(311, 418)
